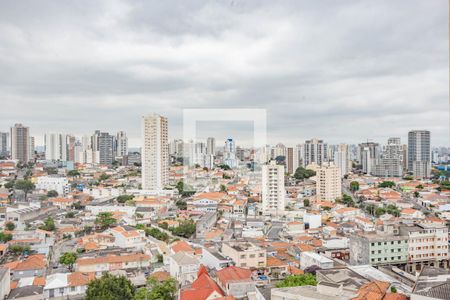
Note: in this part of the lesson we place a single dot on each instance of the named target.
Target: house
(112, 262)
(214, 259)
(67, 284)
(128, 237)
(309, 259)
(33, 265)
(277, 268)
(245, 254)
(203, 288)
(184, 267)
(181, 246)
(411, 213)
(235, 281)
(365, 224)
(96, 241)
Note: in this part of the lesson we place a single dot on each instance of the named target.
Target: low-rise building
(309, 259)
(245, 254)
(184, 267)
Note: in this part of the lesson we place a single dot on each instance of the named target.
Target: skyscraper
(121, 144)
(155, 152)
(229, 155)
(390, 163)
(328, 182)
(291, 160)
(4, 143)
(55, 146)
(368, 156)
(341, 158)
(105, 142)
(419, 153)
(211, 146)
(20, 143)
(273, 191)
(315, 151)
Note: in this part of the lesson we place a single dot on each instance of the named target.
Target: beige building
(245, 254)
(273, 192)
(328, 182)
(155, 152)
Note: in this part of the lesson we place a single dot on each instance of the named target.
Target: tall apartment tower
(121, 144)
(328, 182)
(210, 146)
(368, 156)
(273, 192)
(229, 154)
(419, 153)
(155, 152)
(20, 143)
(390, 163)
(56, 146)
(4, 143)
(315, 151)
(292, 160)
(105, 144)
(341, 158)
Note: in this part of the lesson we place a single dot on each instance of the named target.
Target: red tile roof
(233, 273)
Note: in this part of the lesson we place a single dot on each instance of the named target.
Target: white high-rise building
(56, 146)
(315, 151)
(121, 144)
(20, 143)
(341, 158)
(4, 143)
(328, 182)
(369, 154)
(390, 163)
(211, 146)
(229, 155)
(273, 191)
(155, 152)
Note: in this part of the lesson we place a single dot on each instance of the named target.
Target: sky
(343, 71)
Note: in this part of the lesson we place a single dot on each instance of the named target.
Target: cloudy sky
(344, 71)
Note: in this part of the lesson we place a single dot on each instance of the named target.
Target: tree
(182, 205)
(379, 211)
(224, 167)
(19, 249)
(416, 194)
(386, 184)
(9, 185)
(306, 203)
(24, 185)
(419, 187)
(104, 176)
(223, 188)
(105, 220)
(52, 193)
(302, 173)
(393, 289)
(297, 280)
(185, 229)
(70, 215)
(348, 200)
(110, 287)
(73, 173)
(184, 190)
(10, 226)
(49, 224)
(354, 186)
(157, 234)
(124, 198)
(165, 290)
(68, 259)
(5, 237)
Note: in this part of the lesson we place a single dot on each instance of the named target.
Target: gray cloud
(343, 71)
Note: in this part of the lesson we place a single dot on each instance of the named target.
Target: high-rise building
(229, 154)
(71, 150)
(121, 144)
(211, 146)
(341, 158)
(105, 142)
(328, 182)
(419, 153)
(278, 151)
(368, 156)
(20, 143)
(315, 151)
(155, 152)
(273, 191)
(32, 146)
(55, 146)
(292, 161)
(390, 163)
(4, 143)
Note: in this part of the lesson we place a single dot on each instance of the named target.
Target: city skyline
(320, 70)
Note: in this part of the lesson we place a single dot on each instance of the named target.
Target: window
(252, 255)
(243, 256)
(261, 255)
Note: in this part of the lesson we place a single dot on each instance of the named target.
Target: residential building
(235, 281)
(155, 152)
(121, 144)
(67, 285)
(273, 191)
(377, 249)
(49, 183)
(211, 146)
(341, 159)
(309, 259)
(245, 254)
(5, 283)
(128, 237)
(56, 146)
(33, 265)
(183, 267)
(328, 182)
(229, 153)
(315, 151)
(4, 143)
(369, 153)
(105, 144)
(390, 163)
(20, 143)
(203, 288)
(111, 262)
(419, 153)
(292, 160)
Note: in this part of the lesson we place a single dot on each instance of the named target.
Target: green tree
(224, 167)
(165, 290)
(9, 185)
(223, 188)
(52, 193)
(70, 215)
(124, 198)
(68, 259)
(5, 237)
(10, 226)
(24, 185)
(379, 211)
(306, 203)
(416, 194)
(73, 173)
(354, 186)
(348, 200)
(49, 224)
(157, 234)
(104, 176)
(302, 173)
(105, 220)
(185, 229)
(297, 280)
(181, 204)
(110, 287)
(386, 184)
(419, 187)
(19, 249)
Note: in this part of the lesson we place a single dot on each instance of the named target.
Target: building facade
(273, 191)
(20, 143)
(419, 153)
(328, 182)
